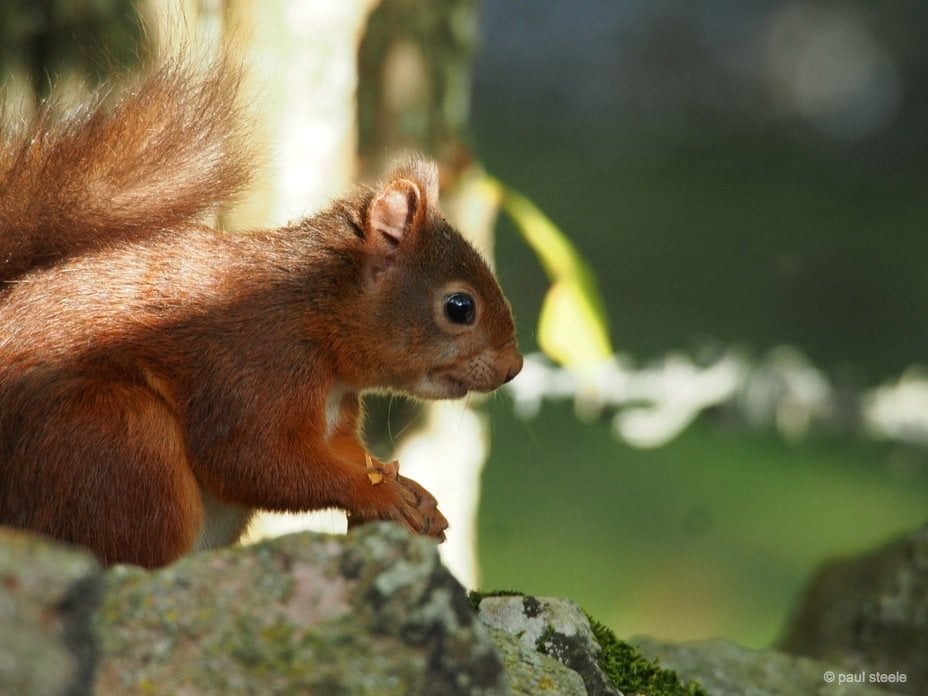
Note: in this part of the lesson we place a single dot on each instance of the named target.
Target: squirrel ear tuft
(424, 173)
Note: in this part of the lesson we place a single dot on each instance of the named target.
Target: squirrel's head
(445, 327)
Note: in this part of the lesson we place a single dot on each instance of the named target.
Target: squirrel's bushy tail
(164, 152)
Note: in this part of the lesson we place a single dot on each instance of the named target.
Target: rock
(47, 597)
(726, 669)
(372, 613)
(870, 614)
(532, 673)
(557, 627)
(376, 613)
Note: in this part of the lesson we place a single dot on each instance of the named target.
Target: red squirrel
(161, 379)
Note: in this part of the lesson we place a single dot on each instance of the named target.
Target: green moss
(627, 669)
(634, 674)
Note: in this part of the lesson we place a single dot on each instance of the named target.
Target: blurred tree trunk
(302, 58)
(416, 64)
(301, 85)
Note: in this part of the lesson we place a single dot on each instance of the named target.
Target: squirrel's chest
(342, 408)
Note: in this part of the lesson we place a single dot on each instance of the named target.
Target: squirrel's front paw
(402, 500)
(430, 522)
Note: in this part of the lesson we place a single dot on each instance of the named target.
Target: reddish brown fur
(95, 177)
(148, 361)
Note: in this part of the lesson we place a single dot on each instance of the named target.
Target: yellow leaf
(569, 329)
(573, 328)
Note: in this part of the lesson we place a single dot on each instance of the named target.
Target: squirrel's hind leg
(106, 470)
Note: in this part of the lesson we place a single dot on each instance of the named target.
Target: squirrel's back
(167, 150)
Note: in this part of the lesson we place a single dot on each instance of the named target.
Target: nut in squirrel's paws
(377, 470)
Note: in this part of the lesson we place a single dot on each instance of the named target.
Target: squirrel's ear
(398, 212)
(393, 220)
(394, 214)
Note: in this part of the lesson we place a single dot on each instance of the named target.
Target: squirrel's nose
(515, 368)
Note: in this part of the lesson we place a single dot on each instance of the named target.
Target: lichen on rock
(375, 613)
(47, 595)
(869, 613)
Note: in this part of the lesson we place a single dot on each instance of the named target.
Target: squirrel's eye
(460, 308)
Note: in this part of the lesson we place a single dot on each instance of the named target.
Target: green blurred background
(737, 173)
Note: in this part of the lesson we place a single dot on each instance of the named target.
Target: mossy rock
(560, 629)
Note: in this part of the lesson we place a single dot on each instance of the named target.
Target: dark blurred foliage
(46, 37)
(750, 172)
